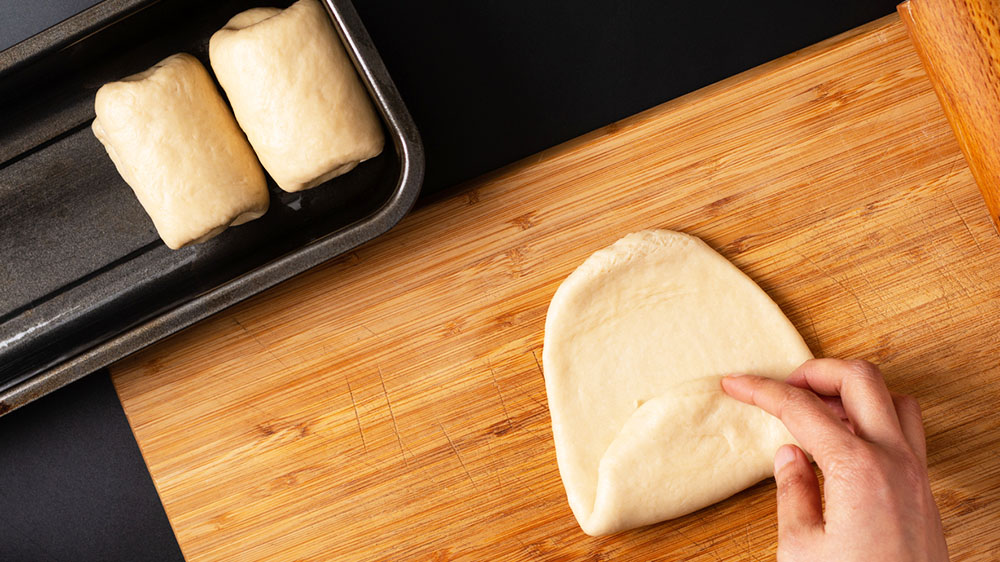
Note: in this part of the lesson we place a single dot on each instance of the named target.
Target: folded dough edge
(680, 452)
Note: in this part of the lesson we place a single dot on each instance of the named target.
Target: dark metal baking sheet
(84, 279)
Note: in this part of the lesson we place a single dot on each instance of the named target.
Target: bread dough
(636, 342)
(295, 93)
(176, 144)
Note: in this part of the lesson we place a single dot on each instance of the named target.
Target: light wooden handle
(959, 44)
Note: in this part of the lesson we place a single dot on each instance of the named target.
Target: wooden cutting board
(390, 404)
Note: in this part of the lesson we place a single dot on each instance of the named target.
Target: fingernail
(785, 455)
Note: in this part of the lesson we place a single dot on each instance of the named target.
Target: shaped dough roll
(176, 144)
(295, 93)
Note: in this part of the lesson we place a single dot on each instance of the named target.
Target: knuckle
(790, 484)
(909, 471)
(864, 455)
(802, 402)
(792, 398)
(908, 404)
(914, 474)
(854, 460)
(788, 394)
(871, 468)
(864, 370)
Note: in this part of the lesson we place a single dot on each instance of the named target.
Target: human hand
(869, 444)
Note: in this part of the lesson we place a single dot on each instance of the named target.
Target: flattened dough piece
(636, 341)
(176, 144)
(295, 93)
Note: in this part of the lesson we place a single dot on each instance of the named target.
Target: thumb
(799, 509)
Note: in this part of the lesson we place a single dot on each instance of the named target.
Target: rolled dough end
(296, 93)
(175, 143)
(338, 171)
(247, 19)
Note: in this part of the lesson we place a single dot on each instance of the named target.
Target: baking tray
(85, 278)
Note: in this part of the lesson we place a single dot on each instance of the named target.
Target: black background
(487, 83)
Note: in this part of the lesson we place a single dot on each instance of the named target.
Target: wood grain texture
(959, 44)
(390, 404)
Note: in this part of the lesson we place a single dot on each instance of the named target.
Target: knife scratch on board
(496, 385)
(357, 416)
(964, 222)
(395, 428)
(460, 461)
(748, 515)
(262, 346)
(842, 285)
(496, 469)
(537, 364)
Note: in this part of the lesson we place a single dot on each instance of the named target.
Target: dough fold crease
(645, 475)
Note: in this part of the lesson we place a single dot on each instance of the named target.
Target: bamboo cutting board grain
(390, 404)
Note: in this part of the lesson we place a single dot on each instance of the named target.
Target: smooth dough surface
(174, 141)
(295, 93)
(636, 342)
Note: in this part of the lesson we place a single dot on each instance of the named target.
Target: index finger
(808, 419)
(861, 386)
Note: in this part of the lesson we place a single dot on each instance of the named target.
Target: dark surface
(487, 83)
(491, 82)
(88, 280)
(73, 485)
(20, 19)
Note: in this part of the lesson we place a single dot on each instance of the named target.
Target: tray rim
(402, 131)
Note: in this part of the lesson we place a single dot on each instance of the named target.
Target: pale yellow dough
(295, 93)
(636, 342)
(176, 144)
